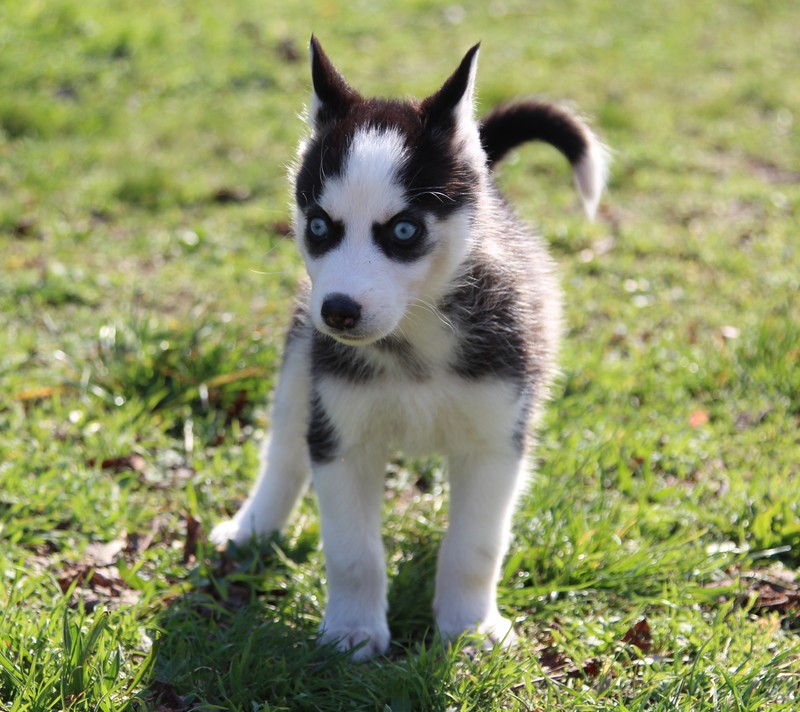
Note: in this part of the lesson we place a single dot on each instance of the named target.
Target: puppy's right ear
(332, 95)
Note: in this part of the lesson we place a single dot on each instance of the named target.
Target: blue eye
(404, 231)
(319, 227)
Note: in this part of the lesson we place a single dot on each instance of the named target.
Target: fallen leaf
(553, 659)
(639, 636)
(104, 553)
(698, 418)
(591, 668)
(136, 543)
(96, 579)
(167, 699)
(38, 394)
(769, 591)
(25, 227)
(773, 595)
(225, 378)
(96, 585)
(282, 227)
(230, 194)
(132, 462)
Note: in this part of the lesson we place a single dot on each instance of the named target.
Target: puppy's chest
(415, 401)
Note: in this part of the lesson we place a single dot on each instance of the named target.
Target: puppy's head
(384, 192)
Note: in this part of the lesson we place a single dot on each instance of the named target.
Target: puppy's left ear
(453, 104)
(332, 95)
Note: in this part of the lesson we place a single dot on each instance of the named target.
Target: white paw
(225, 532)
(235, 530)
(377, 639)
(495, 629)
(498, 631)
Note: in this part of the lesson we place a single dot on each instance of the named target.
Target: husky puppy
(431, 324)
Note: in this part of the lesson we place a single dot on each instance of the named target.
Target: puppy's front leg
(285, 465)
(483, 491)
(350, 492)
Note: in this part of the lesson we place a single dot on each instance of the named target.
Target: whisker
(434, 191)
(433, 309)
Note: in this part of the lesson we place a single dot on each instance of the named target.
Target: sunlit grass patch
(146, 273)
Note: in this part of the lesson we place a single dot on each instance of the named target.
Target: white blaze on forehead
(368, 189)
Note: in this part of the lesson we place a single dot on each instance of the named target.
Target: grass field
(146, 279)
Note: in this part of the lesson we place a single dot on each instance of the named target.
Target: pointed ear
(453, 103)
(332, 94)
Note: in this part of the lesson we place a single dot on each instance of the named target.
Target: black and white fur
(431, 324)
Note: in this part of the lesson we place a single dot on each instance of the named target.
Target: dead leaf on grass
(553, 659)
(104, 554)
(96, 578)
(136, 542)
(95, 585)
(39, 394)
(773, 593)
(773, 590)
(639, 636)
(231, 194)
(698, 418)
(25, 227)
(133, 462)
(559, 666)
(283, 228)
(128, 544)
(166, 698)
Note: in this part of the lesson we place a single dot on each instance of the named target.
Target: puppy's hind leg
(285, 465)
(483, 490)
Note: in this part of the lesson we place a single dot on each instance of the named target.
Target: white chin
(352, 339)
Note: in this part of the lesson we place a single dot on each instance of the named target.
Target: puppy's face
(384, 197)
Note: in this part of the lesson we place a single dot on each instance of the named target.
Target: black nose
(340, 312)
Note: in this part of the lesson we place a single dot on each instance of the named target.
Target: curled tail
(509, 125)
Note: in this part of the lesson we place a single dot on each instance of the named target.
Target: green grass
(146, 281)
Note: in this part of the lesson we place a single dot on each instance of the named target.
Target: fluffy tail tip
(591, 174)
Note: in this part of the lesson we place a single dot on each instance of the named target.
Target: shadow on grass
(411, 595)
(245, 635)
